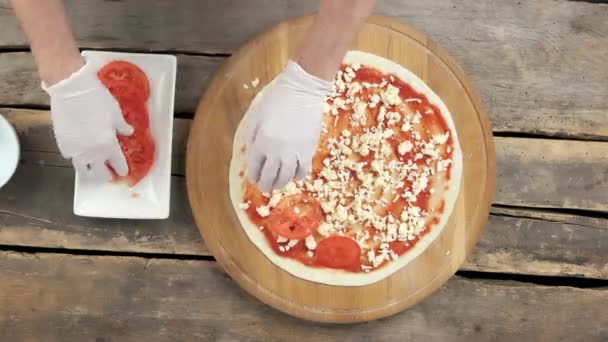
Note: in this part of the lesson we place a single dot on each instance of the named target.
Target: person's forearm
(53, 45)
(331, 35)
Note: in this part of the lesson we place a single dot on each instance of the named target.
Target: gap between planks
(562, 281)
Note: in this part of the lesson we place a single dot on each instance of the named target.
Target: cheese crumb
(255, 82)
(441, 139)
(263, 211)
(405, 147)
(390, 96)
(274, 200)
(310, 242)
(244, 206)
(442, 165)
(325, 229)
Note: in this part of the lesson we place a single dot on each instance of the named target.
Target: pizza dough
(336, 276)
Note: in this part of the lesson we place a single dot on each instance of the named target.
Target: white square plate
(150, 198)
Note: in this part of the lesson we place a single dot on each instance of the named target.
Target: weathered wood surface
(542, 243)
(539, 65)
(552, 173)
(54, 297)
(543, 173)
(35, 210)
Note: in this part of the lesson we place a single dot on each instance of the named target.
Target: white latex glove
(284, 128)
(86, 118)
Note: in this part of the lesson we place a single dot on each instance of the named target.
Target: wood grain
(531, 172)
(54, 297)
(552, 173)
(539, 65)
(210, 148)
(515, 241)
(542, 243)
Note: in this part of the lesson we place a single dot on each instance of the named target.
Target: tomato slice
(139, 153)
(131, 88)
(136, 114)
(125, 80)
(338, 252)
(295, 217)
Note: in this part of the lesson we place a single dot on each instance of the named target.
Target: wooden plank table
(539, 273)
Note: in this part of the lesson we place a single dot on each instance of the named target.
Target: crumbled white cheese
(393, 118)
(405, 147)
(416, 119)
(374, 100)
(255, 82)
(371, 256)
(310, 242)
(326, 107)
(244, 206)
(359, 116)
(390, 96)
(263, 211)
(442, 165)
(275, 199)
(441, 139)
(353, 89)
(325, 229)
(420, 183)
(291, 189)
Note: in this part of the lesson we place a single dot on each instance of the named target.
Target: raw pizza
(130, 87)
(384, 180)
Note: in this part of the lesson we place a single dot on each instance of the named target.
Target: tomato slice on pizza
(338, 252)
(296, 217)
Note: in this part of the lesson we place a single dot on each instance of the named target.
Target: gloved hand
(284, 127)
(86, 118)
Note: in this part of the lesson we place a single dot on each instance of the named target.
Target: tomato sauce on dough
(429, 122)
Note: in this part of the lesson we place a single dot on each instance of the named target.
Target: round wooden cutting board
(210, 149)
